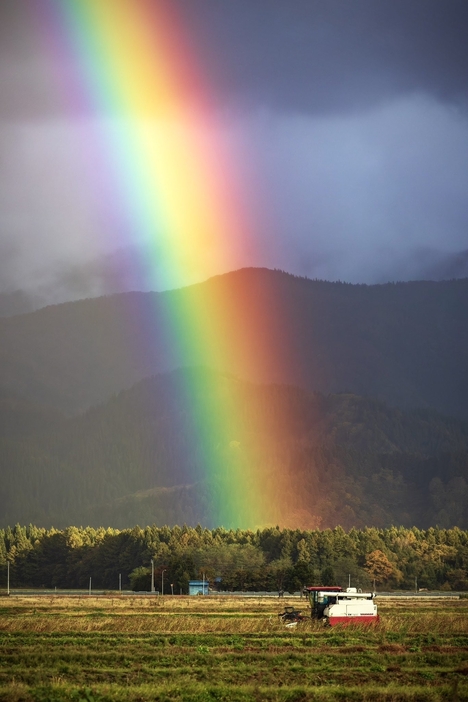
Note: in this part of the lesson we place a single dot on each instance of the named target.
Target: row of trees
(266, 559)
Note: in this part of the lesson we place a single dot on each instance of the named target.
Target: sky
(348, 118)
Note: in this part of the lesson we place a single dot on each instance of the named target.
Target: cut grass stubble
(177, 648)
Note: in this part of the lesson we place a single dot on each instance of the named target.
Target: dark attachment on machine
(291, 615)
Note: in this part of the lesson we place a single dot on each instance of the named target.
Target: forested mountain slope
(405, 343)
(350, 460)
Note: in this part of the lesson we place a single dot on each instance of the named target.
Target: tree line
(234, 560)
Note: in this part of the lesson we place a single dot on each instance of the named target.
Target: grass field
(231, 649)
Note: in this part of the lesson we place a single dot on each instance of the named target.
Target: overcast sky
(351, 118)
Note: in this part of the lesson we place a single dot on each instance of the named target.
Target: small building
(198, 587)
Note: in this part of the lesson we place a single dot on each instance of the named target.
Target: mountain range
(404, 343)
(374, 392)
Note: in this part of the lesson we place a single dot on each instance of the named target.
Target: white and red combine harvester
(338, 606)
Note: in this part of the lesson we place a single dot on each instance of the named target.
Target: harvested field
(232, 649)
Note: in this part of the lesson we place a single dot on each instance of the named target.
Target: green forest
(235, 560)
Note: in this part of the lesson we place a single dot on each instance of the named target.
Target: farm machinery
(337, 606)
(291, 616)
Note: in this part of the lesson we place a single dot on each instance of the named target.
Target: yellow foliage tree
(380, 568)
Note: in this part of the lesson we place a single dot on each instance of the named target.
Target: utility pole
(120, 583)
(89, 587)
(152, 575)
(8, 577)
(203, 590)
(162, 581)
(349, 580)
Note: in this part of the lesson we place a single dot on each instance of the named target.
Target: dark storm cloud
(308, 55)
(326, 55)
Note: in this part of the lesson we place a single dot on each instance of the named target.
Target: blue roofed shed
(198, 587)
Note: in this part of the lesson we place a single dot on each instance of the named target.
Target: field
(233, 649)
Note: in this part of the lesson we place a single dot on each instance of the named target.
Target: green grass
(201, 649)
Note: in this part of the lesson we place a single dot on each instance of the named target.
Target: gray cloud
(353, 196)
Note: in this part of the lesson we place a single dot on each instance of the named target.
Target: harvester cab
(337, 606)
(320, 598)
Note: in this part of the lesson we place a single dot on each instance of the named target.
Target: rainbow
(175, 185)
